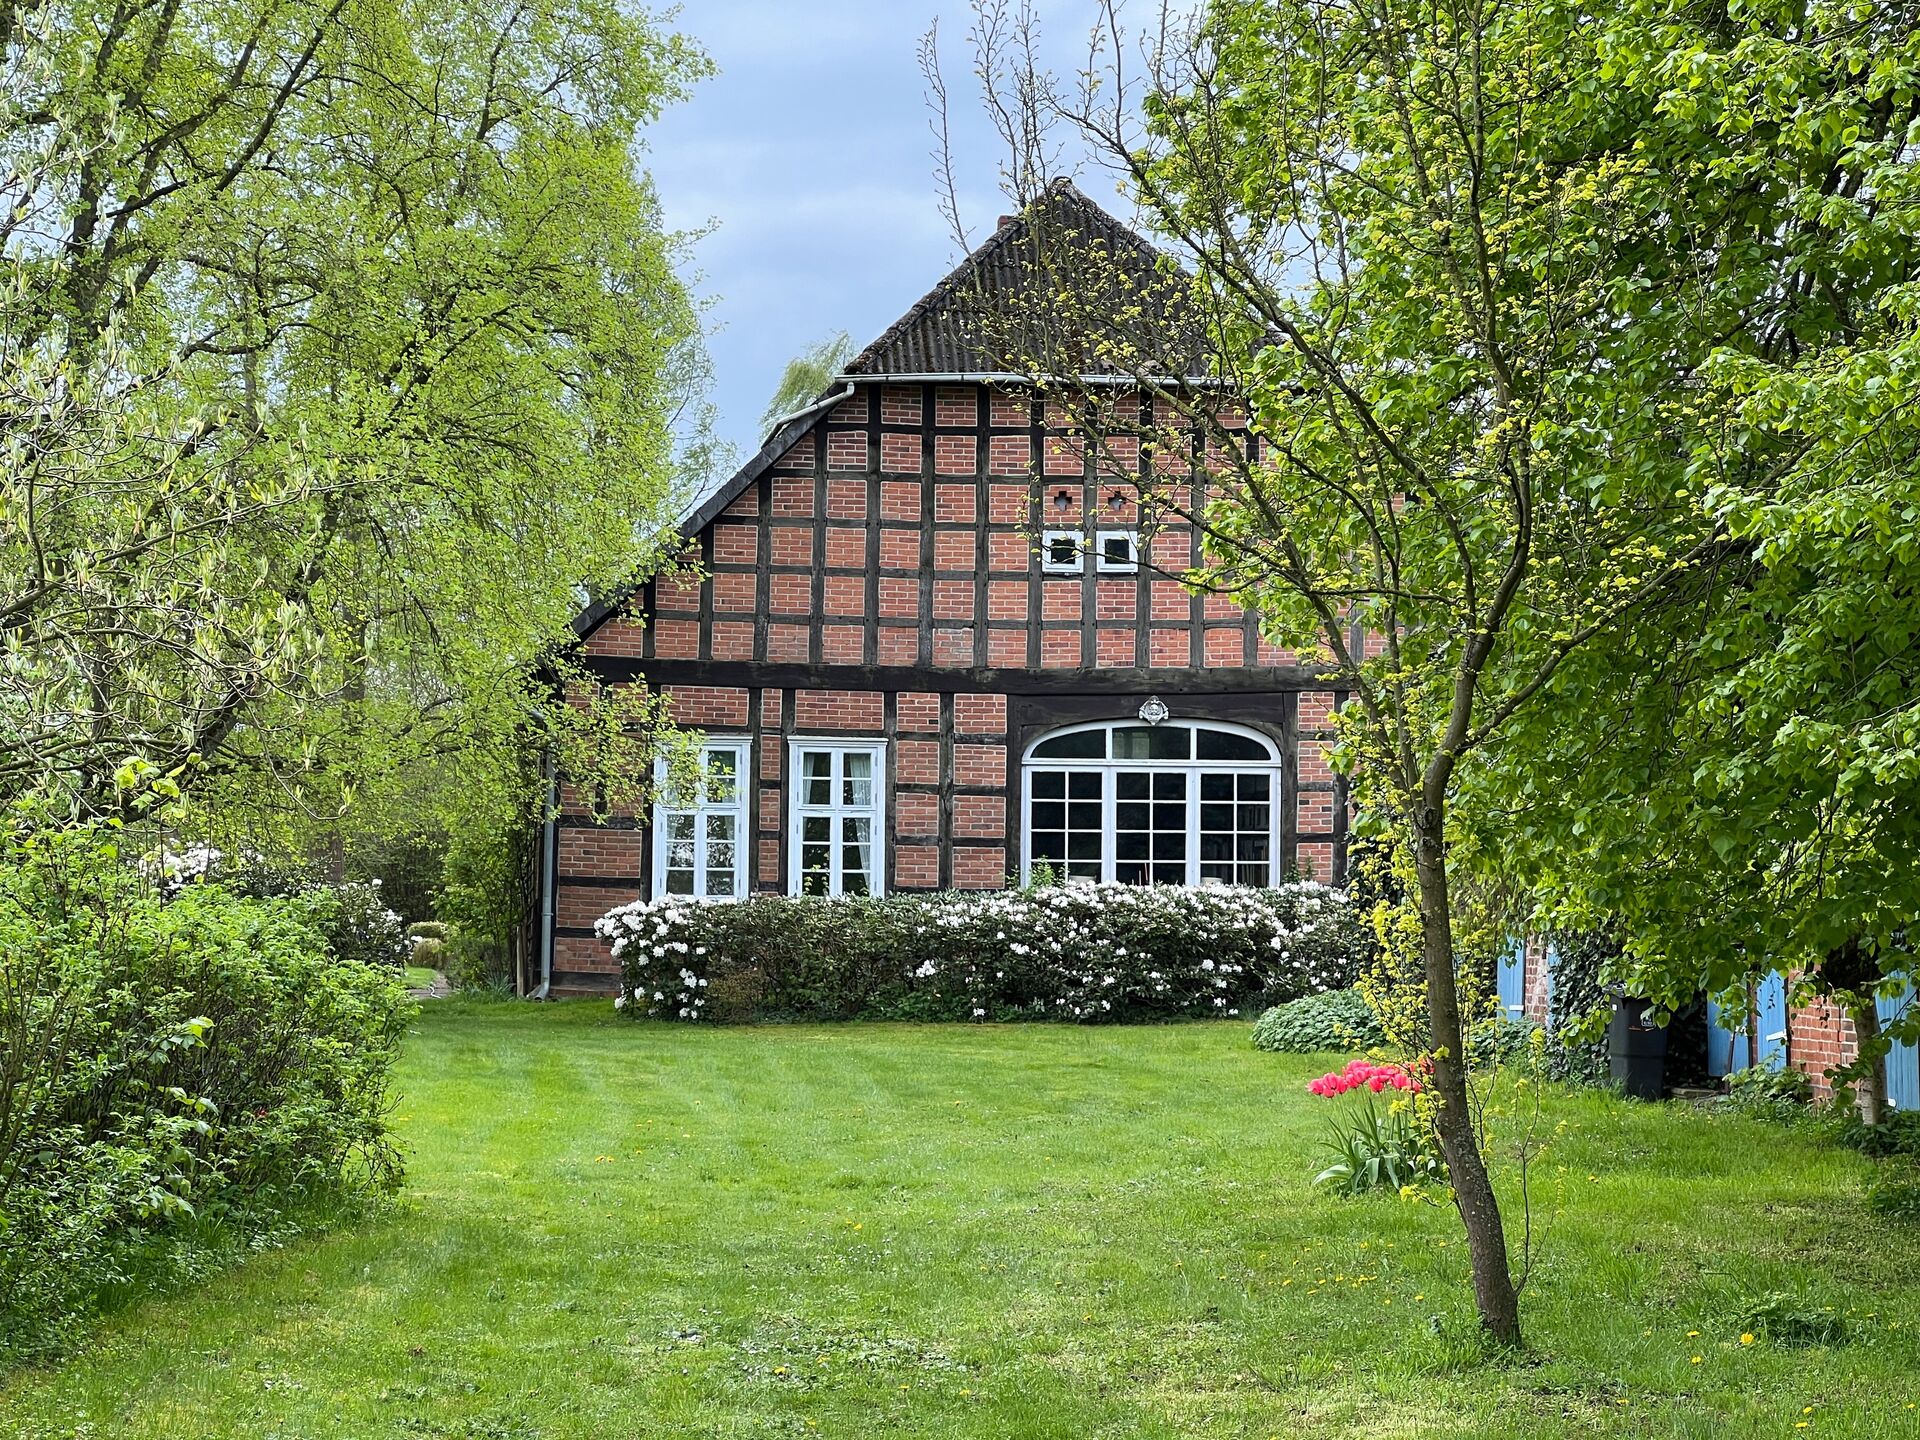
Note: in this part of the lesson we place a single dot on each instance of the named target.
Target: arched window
(1184, 802)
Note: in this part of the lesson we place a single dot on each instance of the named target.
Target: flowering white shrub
(1089, 953)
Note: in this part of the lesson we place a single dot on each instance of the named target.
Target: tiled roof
(1000, 312)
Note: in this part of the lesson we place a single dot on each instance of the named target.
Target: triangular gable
(961, 329)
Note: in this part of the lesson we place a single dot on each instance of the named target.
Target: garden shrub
(1333, 1020)
(1769, 1094)
(1090, 953)
(172, 1064)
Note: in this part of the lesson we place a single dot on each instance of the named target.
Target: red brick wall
(899, 532)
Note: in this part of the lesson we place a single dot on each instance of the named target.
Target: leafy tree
(1750, 803)
(351, 355)
(806, 376)
(1470, 311)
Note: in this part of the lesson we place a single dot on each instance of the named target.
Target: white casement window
(1063, 552)
(699, 833)
(1179, 803)
(1117, 552)
(836, 841)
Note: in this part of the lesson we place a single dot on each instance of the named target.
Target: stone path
(438, 990)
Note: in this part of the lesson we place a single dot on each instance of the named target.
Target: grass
(418, 977)
(640, 1230)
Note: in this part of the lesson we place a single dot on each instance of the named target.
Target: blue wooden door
(1727, 1040)
(1513, 981)
(1903, 1061)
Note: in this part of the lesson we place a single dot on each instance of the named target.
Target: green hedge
(1088, 953)
(174, 1064)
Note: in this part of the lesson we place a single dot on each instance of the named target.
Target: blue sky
(810, 154)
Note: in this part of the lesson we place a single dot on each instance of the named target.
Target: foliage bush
(1090, 953)
(1769, 1094)
(354, 915)
(1896, 1197)
(170, 1063)
(1333, 1020)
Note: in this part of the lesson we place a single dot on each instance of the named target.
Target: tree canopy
(346, 354)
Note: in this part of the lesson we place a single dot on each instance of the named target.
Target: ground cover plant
(1024, 1231)
(1088, 953)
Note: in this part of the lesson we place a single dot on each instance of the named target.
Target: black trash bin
(1636, 1048)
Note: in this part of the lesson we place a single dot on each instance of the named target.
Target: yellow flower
(1693, 1334)
(1746, 1337)
(1695, 1361)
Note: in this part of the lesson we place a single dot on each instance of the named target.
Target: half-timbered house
(932, 646)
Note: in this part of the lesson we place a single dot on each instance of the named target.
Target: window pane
(856, 843)
(719, 882)
(1084, 869)
(1253, 817)
(1216, 848)
(1083, 815)
(1131, 785)
(1130, 845)
(854, 882)
(1117, 549)
(1223, 745)
(1083, 847)
(720, 856)
(680, 855)
(816, 777)
(1169, 874)
(1083, 745)
(857, 788)
(816, 829)
(1131, 815)
(1049, 815)
(1049, 845)
(816, 882)
(1083, 785)
(1169, 787)
(1063, 550)
(721, 778)
(680, 826)
(1253, 787)
(679, 882)
(1049, 784)
(720, 827)
(1152, 742)
(1216, 819)
(1216, 787)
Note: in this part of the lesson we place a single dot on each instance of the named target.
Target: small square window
(1119, 552)
(1062, 552)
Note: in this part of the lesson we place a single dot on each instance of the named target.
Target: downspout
(549, 858)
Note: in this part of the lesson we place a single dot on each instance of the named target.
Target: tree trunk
(1494, 1295)
(1871, 1095)
(1753, 1022)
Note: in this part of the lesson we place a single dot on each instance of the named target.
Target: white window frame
(798, 811)
(1193, 769)
(664, 806)
(1129, 566)
(1051, 566)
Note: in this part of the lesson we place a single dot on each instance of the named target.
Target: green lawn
(623, 1230)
